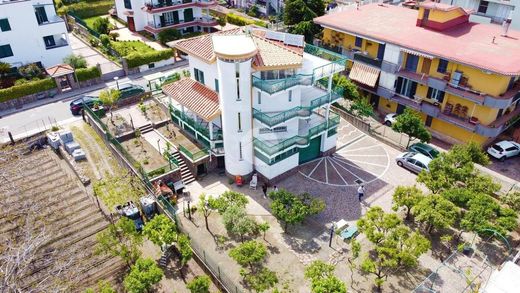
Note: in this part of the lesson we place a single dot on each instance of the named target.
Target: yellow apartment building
(462, 77)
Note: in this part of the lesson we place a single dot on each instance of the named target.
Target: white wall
(387, 80)
(392, 54)
(278, 101)
(210, 70)
(278, 168)
(140, 17)
(26, 36)
(161, 63)
(328, 142)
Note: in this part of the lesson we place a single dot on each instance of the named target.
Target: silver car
(504, 149)
(414, 162)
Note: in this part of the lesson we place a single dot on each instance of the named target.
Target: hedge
(26, 89)
(84, 74)
(137, 59)
(86, 10)
(241, 21)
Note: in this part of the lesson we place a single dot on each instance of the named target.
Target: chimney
(506, 25)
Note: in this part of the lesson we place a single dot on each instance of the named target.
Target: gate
(312, 151)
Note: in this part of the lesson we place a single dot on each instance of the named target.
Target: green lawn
(125, 48)
(90, 21)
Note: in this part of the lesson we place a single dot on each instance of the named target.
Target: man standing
(361, 191)
(264, 190)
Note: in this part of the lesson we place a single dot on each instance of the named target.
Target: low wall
(157, 64)
(18, 103)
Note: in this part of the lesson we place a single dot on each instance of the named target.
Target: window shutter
(399, 84)
(413, 89)
(429, 94)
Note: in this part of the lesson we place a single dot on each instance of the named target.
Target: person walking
(361, 191)
(264, 189)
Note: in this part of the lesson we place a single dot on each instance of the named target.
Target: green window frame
(6, 51)
(4, 25)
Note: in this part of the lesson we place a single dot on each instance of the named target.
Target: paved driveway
(92, 57)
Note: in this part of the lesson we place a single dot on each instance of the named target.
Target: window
(237, 70)
(199, 75)
(239, 122)
(240, 151)
(411, 62)
(4, 25)
(482, 8)
(380, 51)
(406, 87)
(290, 96)
(271, 130)
(41, 15)
(435, 94)
(5, 51)
(443, 66)
(216, 85)
(359, 42)
(128, 4)
(49, 42)
(151, 65)
(259, 97)
(238, 89)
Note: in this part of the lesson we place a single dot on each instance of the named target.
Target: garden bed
(119, 126)
(153, 112)
(144, 153)
(176, 137)
(125, 48)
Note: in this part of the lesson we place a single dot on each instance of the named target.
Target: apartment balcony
(306, 132)
(364, 58)
(423, 79)
(165, 6)
(310, 100)
(50, 20)
(336, 62)
(272, 86)
(201, 131)
(53, 43)
(197, 21)
(500, 125)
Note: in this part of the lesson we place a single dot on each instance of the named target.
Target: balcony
(499, 125)
(197, 21)
(363, 58)
(56, 44)
(337, 61)
(307, 131)
(50, 20)
(195, 128)
(272, 120)
(272, 86)
(163, 6)
(430, 109)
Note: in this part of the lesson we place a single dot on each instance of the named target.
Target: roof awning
(195, 96)
(416, 53)
(364, 74)
(59, 70)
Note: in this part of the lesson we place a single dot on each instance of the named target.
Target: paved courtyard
(92, 57)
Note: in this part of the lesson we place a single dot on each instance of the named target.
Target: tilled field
(48, 227)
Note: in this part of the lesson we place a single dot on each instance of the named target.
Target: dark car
(77, 105)
(129, 90)
(424, 149)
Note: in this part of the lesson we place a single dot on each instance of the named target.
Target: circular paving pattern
(358, 159)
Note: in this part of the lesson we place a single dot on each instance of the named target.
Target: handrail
(193, 156)
(301, 111)
(297, 139)
(272, 86)
(217, 133)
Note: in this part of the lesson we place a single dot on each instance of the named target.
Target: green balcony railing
(297, 140)
(196, 126)
(193, 156)
(272, 86)
(367, 59)
(300, 111)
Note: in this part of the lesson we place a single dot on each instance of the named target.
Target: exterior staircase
(186, 175)
(146, 128)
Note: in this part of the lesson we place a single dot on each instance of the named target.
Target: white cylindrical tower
(234, 54)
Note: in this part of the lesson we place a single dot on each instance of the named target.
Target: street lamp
(117, 83)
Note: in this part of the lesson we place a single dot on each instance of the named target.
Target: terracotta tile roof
(468, 43)
(194, 96)
(270, 53)
(59, 70)
(364, 74)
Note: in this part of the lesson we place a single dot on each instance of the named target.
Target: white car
(504, 149)
(413, 161)
(390, 119)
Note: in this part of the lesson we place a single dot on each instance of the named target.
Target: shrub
(242, 21)
(30, 71)
(101, 25)
(136, 59)
(168, 35)
(86, 10)
(114, 36)
(94, 42)
(84, 74)
(25, 89)
(76, 61)
(105, 40)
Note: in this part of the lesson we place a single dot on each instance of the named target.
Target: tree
(101, 25)
(323, 279)
(293, 209)
(362, 107)
(260, 281)
(350, 91)
(249, 254)
(143, 275)
(184, 249)
(168, 35)
(512, 199)
(263, 227)
(5, 68)
(484, 212)
(76, 61)
(30, 71)
(410, 123)
(237, 222)
(406, 196)
(299, 15)
(378, 225)
(230, 198)
(355, 247)
(161, 231)
(436, 212)
(109, 98)
(200, 284)
(105, 40)
(207, 204)
(105, 287)
(120, 239)
(222, 21)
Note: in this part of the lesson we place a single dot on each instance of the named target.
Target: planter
(100, 111)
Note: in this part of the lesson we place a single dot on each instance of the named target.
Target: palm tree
(109, 98)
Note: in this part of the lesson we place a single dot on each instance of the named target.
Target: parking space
(509, 168)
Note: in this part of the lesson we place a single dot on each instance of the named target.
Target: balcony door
(41, 15)
(188, 15)
(131, 23)
(426, 66)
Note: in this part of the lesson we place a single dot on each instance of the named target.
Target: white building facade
(31, 31)
(274, 94)
(156, 15)
(495, 11)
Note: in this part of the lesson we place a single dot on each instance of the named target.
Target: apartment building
(463, 77)
(259, 100)
(30, 31)
(154, 16)
(495, 11)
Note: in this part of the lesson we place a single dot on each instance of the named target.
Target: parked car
(504, 149)
(77, 105)
(413, 161)
(390, 119)
(424, 149)
(129, 90)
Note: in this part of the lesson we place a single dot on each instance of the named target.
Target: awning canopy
(59, 70)
(364, 74)
(195, 96)
(416, 53)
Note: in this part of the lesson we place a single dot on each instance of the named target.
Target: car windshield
(434, 153)
(408, 155)
(497, 147)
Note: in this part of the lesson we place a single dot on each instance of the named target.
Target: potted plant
(98, 109)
